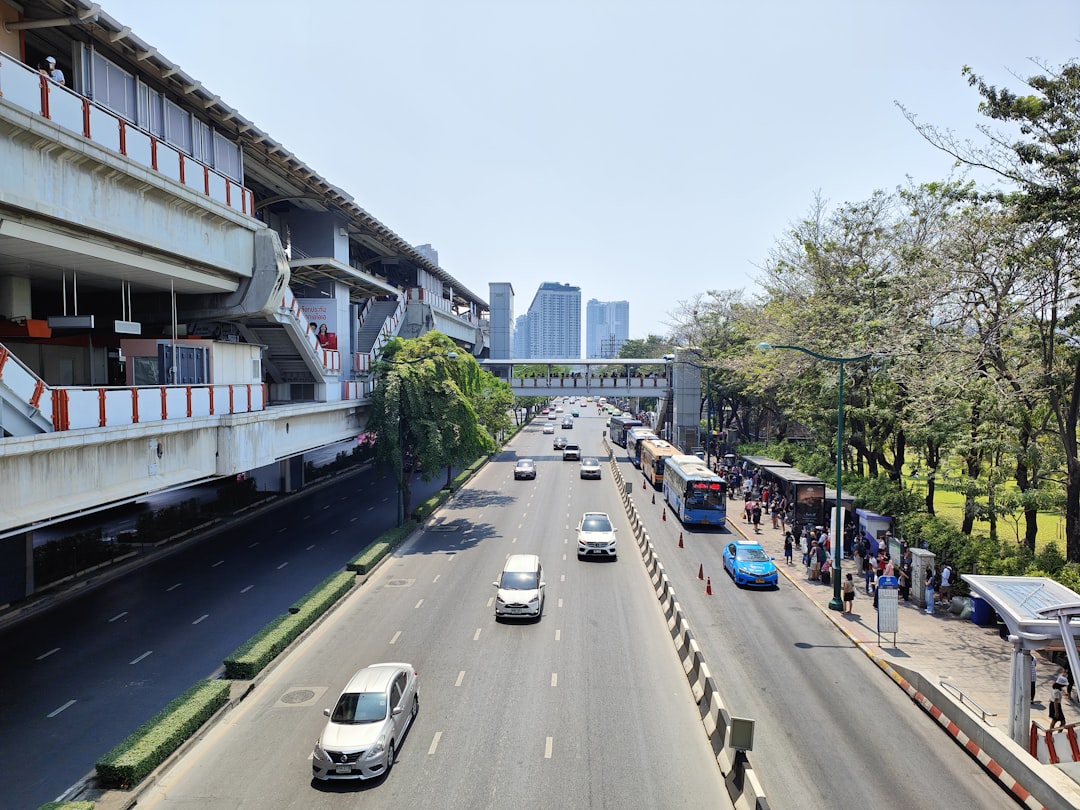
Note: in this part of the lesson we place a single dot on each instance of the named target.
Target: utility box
(921, 562)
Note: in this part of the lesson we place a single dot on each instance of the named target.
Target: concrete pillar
(14, 297)
(1019, 689)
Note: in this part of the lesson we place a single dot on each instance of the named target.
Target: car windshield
(360, 707)
(755, 554)
(590, 462)
(596, 523)
(524, 464)
(519, 581)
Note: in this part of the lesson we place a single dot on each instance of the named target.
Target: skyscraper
(607, 327)
(555, 322)
(501, 302)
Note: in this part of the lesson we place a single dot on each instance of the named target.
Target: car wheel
(415, 705)
(390, 753)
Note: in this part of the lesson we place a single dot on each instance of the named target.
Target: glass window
(113, 87)
(519, 581)
(204, 142)
(227, 157)
(178, 127)
(151, 111)
(360, 707)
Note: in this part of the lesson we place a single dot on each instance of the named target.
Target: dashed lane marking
(57, 711)
(141, 657)
(54, 650)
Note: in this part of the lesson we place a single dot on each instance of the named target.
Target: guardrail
(78, 408)
(743, 786)
(23, 86)
(964, 699)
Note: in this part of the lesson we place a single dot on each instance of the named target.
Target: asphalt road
(79, 677)
(588, 707)
(832, 730)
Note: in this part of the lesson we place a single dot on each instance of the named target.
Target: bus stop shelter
(1040, 614)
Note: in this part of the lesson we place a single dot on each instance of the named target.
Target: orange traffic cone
(701, 571)
(680, 540)
(708, 587)
(664, 515)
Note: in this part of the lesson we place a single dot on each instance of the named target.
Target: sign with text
(888, 612)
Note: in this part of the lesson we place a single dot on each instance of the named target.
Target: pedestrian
(1065, 676)
(787, 547)
(756, 515)
(905, 577)
(775, 518)
(946, 584)
(868, 572)
(815, 561)
(929, 592)
(748, 509)
(54, 73)
(1057, 715)
(783, 517)
(849, 593)
(797, 536)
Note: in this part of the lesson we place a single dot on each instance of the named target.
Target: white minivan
(521, 587)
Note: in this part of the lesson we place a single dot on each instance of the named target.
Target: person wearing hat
(1056, 714)
(54, 72)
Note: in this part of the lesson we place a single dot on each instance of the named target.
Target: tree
(423, 410)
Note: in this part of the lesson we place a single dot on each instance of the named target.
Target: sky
(647, 152)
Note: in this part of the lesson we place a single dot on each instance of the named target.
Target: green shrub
(67, 806)
(251, 657)
(147, 747)
(370, 556)
(337, 585)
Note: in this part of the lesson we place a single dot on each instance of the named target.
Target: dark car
(559, 443)
(567, 423)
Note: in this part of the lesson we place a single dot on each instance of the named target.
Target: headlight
(535, 600)
(319, 752)
(378, 749)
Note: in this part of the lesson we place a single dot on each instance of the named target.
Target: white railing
(78, 408)
(25, 87)
(366, 362)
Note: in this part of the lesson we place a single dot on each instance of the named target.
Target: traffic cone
(643, 483)
(708, 587)
(680, 540)
(701, 571)
(664, 516)
(654, 497)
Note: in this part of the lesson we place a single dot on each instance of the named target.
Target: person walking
(849, 593)
(928, 594)
(945, 592)
(756, 515)
(788, 543)
(868, 572)
(1057, 715)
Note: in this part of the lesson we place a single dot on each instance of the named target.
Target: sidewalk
(941, 647)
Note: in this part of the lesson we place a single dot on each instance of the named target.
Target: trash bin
(981, 612)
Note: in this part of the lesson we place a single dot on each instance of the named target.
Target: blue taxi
(749, 564)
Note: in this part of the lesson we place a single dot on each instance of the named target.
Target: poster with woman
(322, 321)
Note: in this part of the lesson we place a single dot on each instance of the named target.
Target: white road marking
(204, 617)
(173, 587)
(547, 749)
(55, 712)
(352, 520)
(397, 635)
(344, 497)
(513, 541)
(436, 579)
(309, 548)
(118, 616)
(418, 604)
(559, 603)
(252, 545)
(564, 556)
(248, 588)
(562, 577)
(326, 507)
(335, 531)
(219, 562)
(476, 635)
(282, 566)
(43, 656)
(283, 529)
(307, 517)
(434, 743)
(141, 657)
(460, 678)
(554, 678)
(490, 601)
(558, 635)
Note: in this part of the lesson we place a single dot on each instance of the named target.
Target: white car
(590, 468)
(367, 725)
(521, 587)
(596, 536)
(549, 428)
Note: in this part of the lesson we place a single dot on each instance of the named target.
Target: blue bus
(694, 492)
(617, 427)
(634, 438)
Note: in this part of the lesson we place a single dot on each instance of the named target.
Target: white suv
(521, 587)
(571, 452)
(596, 536)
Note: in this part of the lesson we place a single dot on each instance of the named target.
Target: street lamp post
(836, 603)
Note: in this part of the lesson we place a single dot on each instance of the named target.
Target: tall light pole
(401, 429)
(836, 603)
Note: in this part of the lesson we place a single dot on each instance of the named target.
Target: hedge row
(252, 656)
(370, 556)
(130, 761)
(339, 581)
(67, 806)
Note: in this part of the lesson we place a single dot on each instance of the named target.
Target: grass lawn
(948, 504)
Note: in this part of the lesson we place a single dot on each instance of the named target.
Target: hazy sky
(643, 151)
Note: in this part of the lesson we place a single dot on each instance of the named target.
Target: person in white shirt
(945, 590)
(55, 73)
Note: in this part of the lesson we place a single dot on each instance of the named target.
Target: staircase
(374, 324)
(25, 400)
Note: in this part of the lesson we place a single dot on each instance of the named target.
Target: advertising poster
(321, 314)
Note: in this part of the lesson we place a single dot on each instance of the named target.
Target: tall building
(607, 327)
(501, 302)
(555, 322)
(429, 253)
(521, 337)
